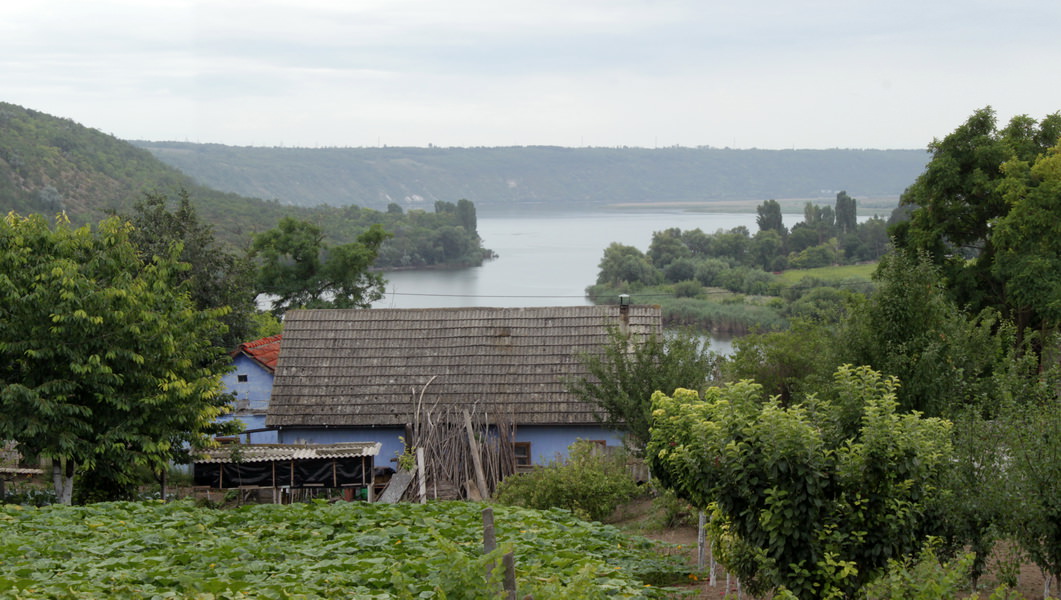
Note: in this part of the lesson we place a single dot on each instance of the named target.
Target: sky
(772, 74)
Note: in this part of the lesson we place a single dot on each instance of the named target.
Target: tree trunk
(162, 481)
(63, 478)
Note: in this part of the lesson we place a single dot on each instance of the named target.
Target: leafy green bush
(815, 496)
(688, 288)
(591, 484)
(929, 579)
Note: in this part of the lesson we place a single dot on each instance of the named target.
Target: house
(251, 382)
(366, 375)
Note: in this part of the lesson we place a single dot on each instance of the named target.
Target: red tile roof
(265, 351)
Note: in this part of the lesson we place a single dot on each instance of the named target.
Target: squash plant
(317, 550)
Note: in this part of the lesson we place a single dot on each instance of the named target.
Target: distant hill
(50, 164)
(541, 176)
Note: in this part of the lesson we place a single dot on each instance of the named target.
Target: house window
(241, 378)
(522, 452)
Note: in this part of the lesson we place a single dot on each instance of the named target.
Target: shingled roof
(363, 367)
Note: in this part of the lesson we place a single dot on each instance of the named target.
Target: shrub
(591, 484)
(688, 289)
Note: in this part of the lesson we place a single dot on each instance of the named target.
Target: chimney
(624, 312)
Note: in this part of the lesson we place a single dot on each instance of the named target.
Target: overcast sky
(653, 73)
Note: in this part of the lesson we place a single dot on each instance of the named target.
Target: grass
(832, 273)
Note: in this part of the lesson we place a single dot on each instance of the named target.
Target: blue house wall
(547, 443)
(252, 385)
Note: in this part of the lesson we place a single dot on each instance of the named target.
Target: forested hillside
(541, 176)
(50, 165)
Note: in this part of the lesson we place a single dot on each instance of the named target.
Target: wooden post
(477, 461)
(700, 539)
(489, 540)
(371, 479)
(510, 576)
(423, 475)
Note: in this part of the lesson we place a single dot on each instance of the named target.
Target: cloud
(766, 73)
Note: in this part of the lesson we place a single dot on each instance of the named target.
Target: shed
(279, 466)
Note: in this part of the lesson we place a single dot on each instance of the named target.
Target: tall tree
(300, 270)
(215, 278)
(102, 358)
(957, 200)
(626, 264)
(626, 372)
(911, 329)
(1028, 240)
(846, 214)
(769, 217)
(466, 216)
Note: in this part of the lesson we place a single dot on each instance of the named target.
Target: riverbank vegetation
(733, 282)
(956, 392)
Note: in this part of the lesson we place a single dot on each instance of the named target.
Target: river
(546, 260)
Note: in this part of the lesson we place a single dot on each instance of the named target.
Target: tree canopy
(299, 269)
(103, 357)
(965, 190)
(814, 497)
(624, 375)
(215, 277)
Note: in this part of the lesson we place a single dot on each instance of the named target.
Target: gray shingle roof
(366, 367)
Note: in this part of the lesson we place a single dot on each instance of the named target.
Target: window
(522, 452)
(241, 378)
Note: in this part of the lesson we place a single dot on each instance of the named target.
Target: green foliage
(318, 550)
(769, 217)
(1034, 469)
(626, 264)
(215, 277)
(265, 324)
(631, 367)
(816, 497)
(688, 289)
(591, 483)
(925, 578)
(672, 511)
(786, 363)
(50, 165)
(846, 214)
(742, 264)
(963, 194)
(975, 501)
(910, 329)
(1028, 239)
(104, 363)
(301, 271)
